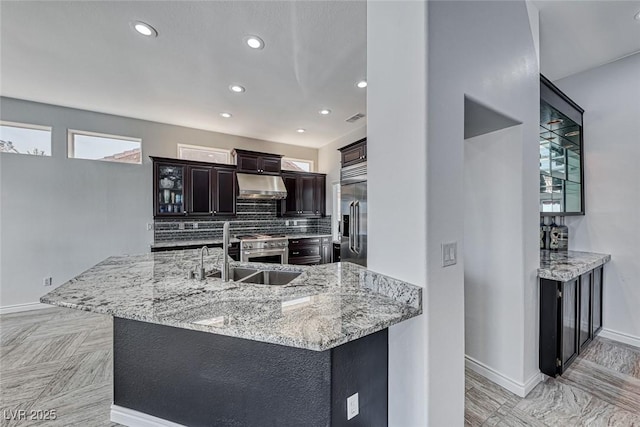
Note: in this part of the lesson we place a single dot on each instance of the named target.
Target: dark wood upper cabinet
(199, 185)
(561, 153)
(169, 188)
(354, 153)
(195, 189)
(225, 186)
(256, 162)
(305, 194)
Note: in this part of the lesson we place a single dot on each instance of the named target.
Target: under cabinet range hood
(255, 186)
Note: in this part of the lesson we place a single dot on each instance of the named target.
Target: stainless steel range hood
(253, 186)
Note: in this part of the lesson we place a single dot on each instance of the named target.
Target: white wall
(60, 216)
(493, 300)
(610, 96)
(485, 50)
(396, 156)
(329, 159)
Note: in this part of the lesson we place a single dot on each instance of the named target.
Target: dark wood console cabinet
(570, 317)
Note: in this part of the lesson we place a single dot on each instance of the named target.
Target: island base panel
(202, 379)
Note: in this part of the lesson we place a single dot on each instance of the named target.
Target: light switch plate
(352, 406)
(449, 254)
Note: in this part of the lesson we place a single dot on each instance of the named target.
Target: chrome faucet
(225, 249)
(201, 274)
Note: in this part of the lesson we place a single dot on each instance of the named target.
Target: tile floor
(62, 359)
(601, 388)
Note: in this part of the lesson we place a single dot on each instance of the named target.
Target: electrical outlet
(295, 222)
(181, 226)
(47, 281)
(352, 406)
(149, 226)
(195, 225)
(449, 254)
(286, 223)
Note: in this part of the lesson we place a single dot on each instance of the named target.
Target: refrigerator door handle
(356, 234)
(351, 227)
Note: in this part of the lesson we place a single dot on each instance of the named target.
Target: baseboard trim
(131, 418)
(520, 389)
(620, 337)
(17, 308)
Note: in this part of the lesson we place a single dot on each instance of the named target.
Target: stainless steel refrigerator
(353, 209)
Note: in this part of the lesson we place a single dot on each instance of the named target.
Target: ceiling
(577, 35)
(86, 55)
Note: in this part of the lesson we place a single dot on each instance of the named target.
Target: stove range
(272, 248)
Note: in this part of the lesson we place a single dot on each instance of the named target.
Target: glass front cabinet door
(169, 185)
(561, 153)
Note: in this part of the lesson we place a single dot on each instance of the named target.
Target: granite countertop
(567, 265)
(203, 242)
(326, 306)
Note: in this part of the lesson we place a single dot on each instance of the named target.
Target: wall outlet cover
(195, 225)
(181, 226)
(149, 226)
(47, 281)
(352, 406)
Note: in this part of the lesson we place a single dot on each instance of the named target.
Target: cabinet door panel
(271, 165)
(569, 321)
(200, 190)
(321, 192)
(225, 192)
(169, 186)
(597, 300)
(307, 188)
(290, 204)
(248, 163)
(585, 309)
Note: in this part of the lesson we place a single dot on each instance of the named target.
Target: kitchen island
(231, 353)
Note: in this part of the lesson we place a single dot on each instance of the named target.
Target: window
(204, 154)
(109, 148)
(20, 138)
(297, 164)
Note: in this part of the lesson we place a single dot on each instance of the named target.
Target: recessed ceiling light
(324, 111)
(362, 84)
(145, 29)
(254, 42)
(226, 115)
(236, 88)
(301, 130)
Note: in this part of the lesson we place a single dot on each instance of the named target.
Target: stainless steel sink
(258, 277)
(235, 274)
(272, 277)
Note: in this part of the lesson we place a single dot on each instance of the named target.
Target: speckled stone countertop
(204, 242)
(567, 265)
(327, 305)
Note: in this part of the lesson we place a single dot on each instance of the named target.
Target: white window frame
(204, 148)
(32, 127)
(311, 162)
(71, 144)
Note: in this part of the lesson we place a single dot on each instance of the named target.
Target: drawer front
(305, 251)
(310, 260)
(296, 243)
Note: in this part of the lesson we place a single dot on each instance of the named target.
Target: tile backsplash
(253, 216)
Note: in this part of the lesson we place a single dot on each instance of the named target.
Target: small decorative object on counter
(559, 236)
